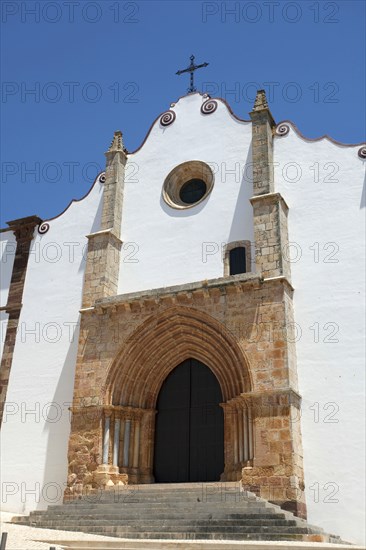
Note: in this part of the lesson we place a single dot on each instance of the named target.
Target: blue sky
(96, 67)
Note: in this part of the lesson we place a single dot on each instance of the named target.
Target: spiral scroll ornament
(43, 228)
(362, 152)
(282, 130)
(102, 178)
(208, 107)
(167, 118)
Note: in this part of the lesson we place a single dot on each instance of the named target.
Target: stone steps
(91, 520)
(146, 544)
(167, 525)
(177, 512)
(174, 516)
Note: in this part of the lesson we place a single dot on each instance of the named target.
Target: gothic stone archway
(118, 380)
(139, 371)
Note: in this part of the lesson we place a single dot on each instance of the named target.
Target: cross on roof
(192, 67)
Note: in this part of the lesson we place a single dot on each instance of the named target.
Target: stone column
(104, 246)
(23, 229)
(136, 443)
(277, 463)
(101, 281)
(117, 425)
(234, 416)
(230, 442)
(262, 145)
(240, 434)
(269, 208)
(245, 432)
(250, 434)
(107, 421)
(107, 473)
(126, 443)
(146, 450)
(247, 447)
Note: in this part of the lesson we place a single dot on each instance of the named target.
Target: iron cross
(192, 67)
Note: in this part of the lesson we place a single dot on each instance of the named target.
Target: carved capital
(23, 228)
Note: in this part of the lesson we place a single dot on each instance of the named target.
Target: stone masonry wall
(246, 310)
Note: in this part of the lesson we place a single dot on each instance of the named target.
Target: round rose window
(188, 184)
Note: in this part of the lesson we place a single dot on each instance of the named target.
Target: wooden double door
(189, 430)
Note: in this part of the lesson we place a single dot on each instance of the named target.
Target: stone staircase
(216, 511)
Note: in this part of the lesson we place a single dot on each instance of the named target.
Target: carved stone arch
(161, 343)
(136, 375)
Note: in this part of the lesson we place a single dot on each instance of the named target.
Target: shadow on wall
(95, 227)
(57, 423)
(243, 210)
(57, 428)
(363, 196)
(184, 213)
(7, 262)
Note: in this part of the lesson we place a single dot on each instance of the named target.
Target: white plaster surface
(35, 429)
(164, 246)
(326, 231)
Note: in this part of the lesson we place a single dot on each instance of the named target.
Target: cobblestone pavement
(21, 537)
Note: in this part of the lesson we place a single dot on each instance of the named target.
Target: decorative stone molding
(43, 228)
(179, 332)
(117, 143)
(209, 107)
(260, 103)
(108, 476)
(239, 450)
(190, 293)
(282, 130)
(167, 118)
(265, 403)
(270, 198)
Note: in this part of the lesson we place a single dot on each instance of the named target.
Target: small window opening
(237, 260)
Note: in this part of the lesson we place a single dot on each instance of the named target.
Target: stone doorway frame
(137, 374)
(128, 345)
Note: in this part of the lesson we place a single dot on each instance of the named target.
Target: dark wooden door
(189, 430)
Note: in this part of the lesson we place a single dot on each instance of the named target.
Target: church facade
(196, 317)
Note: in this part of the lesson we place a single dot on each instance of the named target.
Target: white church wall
(323, 185)
(8, 247)
(164, 246)
(36, 422)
